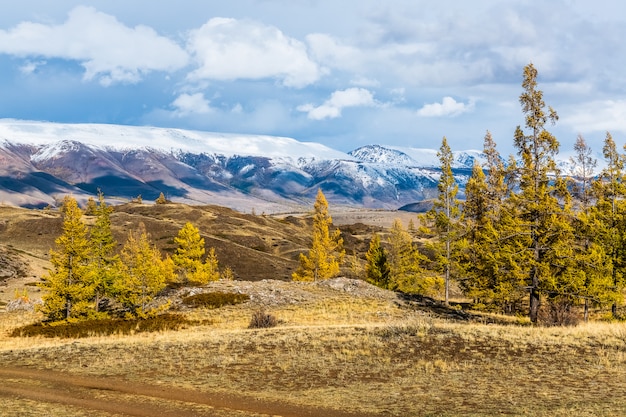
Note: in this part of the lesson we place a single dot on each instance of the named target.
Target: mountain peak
(377, 154)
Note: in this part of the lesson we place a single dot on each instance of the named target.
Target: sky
(343, 73)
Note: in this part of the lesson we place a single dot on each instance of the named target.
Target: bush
(102, 327)
(559, 312)
(215, 299)
(262, 320)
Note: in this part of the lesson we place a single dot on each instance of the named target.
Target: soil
(80, 391)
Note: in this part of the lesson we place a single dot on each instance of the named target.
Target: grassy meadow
(357, 355)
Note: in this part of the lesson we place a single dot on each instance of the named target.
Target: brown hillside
(255, 247)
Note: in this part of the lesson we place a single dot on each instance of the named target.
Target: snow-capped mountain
(414, 157)
(41, 162)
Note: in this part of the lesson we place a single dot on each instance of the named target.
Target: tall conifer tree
(444, 217)
(609, 216)
(68, 290)
(326, 252)
(377, 267)
(548, 234)
(477, 259)
(104, 262)
(592, 263)
(406, 272)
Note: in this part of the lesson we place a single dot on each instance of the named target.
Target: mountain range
(41, 162)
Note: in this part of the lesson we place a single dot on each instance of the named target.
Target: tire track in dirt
(73, 390)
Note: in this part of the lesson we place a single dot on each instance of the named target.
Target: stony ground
(274, 293)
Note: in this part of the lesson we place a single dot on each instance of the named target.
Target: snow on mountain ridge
(382, 155)
(414, 157)
(57, 136)
(49, 160)
(164, 139)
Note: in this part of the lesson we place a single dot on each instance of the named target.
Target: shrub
(262, 320)
(227, 274)
(102, 327)
(215, 299)
(559, 312)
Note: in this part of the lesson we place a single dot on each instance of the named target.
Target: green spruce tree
(377, 267)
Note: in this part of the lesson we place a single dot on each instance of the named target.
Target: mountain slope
(42, 162)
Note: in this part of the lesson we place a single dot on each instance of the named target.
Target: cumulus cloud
(230, 49)
(331, 109)
(448, 107)
(597, 116)
(188, 104)
(108, 50)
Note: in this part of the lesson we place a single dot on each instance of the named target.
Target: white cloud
(597, 116)
(331, 109)
(187, 104)
(336, 54)
(361, 81)
(448, 107)
(107, 49)
(30, 67)
(230, 49)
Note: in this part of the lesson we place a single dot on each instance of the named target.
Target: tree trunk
(447, 283)
(534, 297)
(534, 304)
(586, 311)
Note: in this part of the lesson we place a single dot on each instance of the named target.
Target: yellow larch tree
(326, 252)
(144, 273)
(68, 291)
(188, 257)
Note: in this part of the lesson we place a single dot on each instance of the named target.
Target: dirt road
(120, 397)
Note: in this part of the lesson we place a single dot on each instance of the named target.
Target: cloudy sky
(344, 73)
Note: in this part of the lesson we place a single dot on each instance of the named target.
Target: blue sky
(344, 73)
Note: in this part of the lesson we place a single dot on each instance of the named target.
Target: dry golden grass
(359, 355)
(12, 407)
